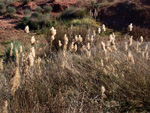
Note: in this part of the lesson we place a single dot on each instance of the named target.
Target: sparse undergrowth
(86, 73)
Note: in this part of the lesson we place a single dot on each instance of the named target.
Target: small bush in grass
(35, 15)
(92, 3)
(2, 8)
(25, 21)
(11, 10)
(80, 13)
(39, 9)
(27, 12)
(16, 45)
(47, 9)
(72, 13)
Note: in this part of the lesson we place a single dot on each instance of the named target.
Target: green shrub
(25, 21)
(27, 12)
(39, 9)
(11, 10)
(92, 3)
(80, 13)
(98, 5)
(33, 25)
(35, 15)
(72, 13)
(47, 9)
(2, 8)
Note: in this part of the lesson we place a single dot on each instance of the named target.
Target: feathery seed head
(15, 81)
(53, 31)
(99, 30)
(26, 29)
(32, 40)
(60, 44)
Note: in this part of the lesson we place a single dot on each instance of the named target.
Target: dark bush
(80, 13)
(11, 10)
(25, 21)
(35, 15)
(72, 13)
(39, 9)
(27, 12)
(47, 9)
(37, 21)
(2, 8)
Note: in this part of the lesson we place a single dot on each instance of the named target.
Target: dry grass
(103, 81)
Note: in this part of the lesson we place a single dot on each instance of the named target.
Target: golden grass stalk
(76, 38)
(99, 30)
(89, 53)
(64, 53)
(75, 48)
(38, 61)
(21, 50)
(15, 81)
(137, 46)
(114, 47)
(71, 48)
(66, 40)
(112, 39)
(92, 38)
(1, 65)
(5, 107)
(59, 43)
(116, 62)
(11, 49)
(130, 40)
(126, 46)
(88, 46)
(109, 49)
(130, 27)
(105, 71)
(26, 29)
(103, 46)
(94, 33)
(147, 55)
(103, 90)
(130, 57)
(53, 31)
(103, 28)
(80, 39)
(143, 54)
(88, 38)
(146, 48)
(141, 39)
(32, 40)
(33, 51)
(17, 57)
(31, 60)
(102, 62)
